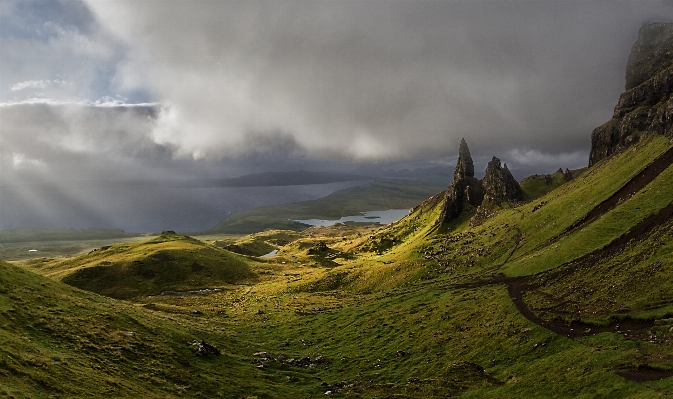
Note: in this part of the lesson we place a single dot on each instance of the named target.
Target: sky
(147, 90)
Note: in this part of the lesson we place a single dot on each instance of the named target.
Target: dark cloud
(250, 86)
(381, 80)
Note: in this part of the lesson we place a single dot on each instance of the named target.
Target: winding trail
(637, 183)
(635, 329)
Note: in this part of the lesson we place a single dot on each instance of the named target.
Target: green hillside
(169, 262)
(565, 296)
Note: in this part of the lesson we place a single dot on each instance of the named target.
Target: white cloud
(20, 161)
(68, 39)
(546, 160)
(37, 84)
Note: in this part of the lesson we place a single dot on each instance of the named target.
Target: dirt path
(637, 183)
(634, 329)
(518, 286)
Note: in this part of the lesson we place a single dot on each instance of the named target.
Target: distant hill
(381, 194)
(32, 235)
(268, 179)
(444, 171)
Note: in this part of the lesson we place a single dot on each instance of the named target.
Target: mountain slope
(169, 262)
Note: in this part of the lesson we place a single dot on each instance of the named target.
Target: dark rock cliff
(465, 190)
(646, 107)
(499, 184)
(499, 187)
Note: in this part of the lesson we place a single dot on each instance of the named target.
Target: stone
(567, 175)
(320, 359)
(646, 107)
(465, 190)
(205, 349)
(499, 185)
(464, 166)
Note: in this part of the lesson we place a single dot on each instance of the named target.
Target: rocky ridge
(467, 192)
(646, 107)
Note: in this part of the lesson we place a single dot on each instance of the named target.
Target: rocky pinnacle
(464, 166)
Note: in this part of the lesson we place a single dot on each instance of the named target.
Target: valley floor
(568, 295)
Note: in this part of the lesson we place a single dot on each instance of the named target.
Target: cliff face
(646, 107)
(499, 184)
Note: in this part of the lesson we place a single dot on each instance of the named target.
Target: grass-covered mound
(536, 186)
(169, 262)
(258, 244)
(57, 341)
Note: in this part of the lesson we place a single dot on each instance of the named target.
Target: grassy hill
(567, 295)
(169, 262)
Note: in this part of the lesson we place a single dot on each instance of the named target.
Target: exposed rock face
(464, 166)
(499, 185)
(567, 175)
(647, 106)
(465, 190)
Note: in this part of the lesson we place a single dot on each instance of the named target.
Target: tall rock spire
(464, 166)
(465, 191)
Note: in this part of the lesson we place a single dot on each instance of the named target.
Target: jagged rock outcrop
(499, 185)
(465, 191)
(646, 107)
(464, 166)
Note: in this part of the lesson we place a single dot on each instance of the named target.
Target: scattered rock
(320, 359)
(205, 349)
(413, 380)
(263, 355)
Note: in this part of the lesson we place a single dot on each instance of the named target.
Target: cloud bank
(377, 80)
(228, 87)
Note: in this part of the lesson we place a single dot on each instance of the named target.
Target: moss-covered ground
(527, 304)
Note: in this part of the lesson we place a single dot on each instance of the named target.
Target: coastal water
(136, 207)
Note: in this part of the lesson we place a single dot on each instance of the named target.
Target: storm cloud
(219, 87)
(379, 80)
